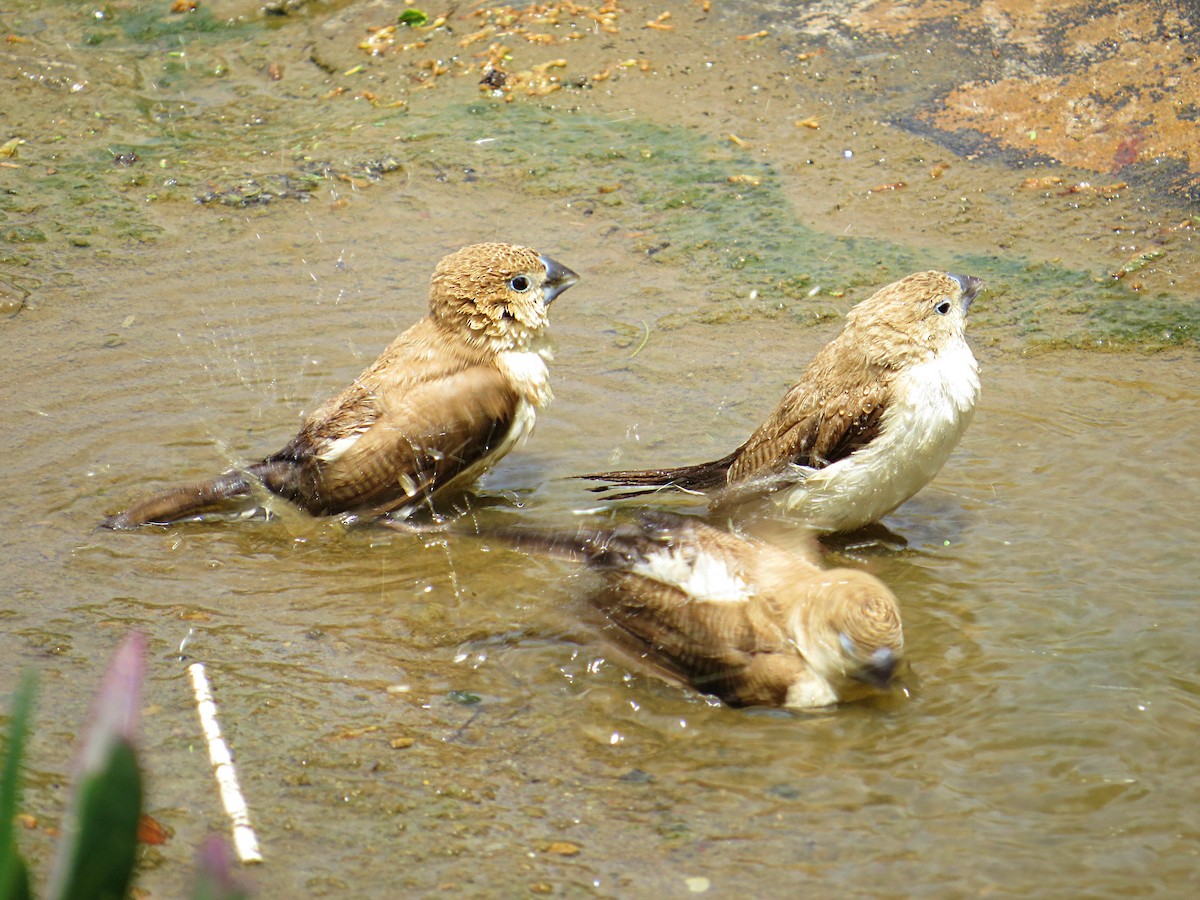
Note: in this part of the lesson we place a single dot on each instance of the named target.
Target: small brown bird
(735, 616)
(450, 396)
(870, 422)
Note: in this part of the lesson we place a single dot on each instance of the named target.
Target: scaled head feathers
(497, 294)
(850, 631)
(915, 317)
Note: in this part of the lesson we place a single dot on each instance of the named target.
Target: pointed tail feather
(598, 546)
(578, 546)
(700, 478)
(601, 546)
(606, 490)
(221, 494)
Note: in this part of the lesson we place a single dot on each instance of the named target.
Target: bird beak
(558, 279)
(880, 669)
(971, 287)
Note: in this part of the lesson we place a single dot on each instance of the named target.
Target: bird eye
(519, 283)
(942, 308)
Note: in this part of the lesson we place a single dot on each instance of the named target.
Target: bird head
(496, 294)
(915, 317)
(850, 631)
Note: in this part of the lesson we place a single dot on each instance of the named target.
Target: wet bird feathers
(442, 403)
(810, 428)
(814, 428)
(732, 615)
(413, 420)
(704, 600)
(871, 420)
(737, 651)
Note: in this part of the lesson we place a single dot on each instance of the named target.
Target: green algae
(1052, 305)
(744, 245)
(23, 234)
(155, 25)
(687, 199)
(703, 206)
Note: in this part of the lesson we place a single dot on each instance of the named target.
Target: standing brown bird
(870, 422)
(450, 396)
(752, 622)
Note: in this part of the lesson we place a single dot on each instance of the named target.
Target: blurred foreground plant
(97, 852)
(14, 877)
(99, 833)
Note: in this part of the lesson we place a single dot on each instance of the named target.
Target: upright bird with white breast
(870, 422)
(443, 403)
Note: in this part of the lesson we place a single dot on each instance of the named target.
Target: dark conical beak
(880, 669)
(558, 279)
(971, 286)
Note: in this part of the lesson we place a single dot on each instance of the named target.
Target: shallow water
(1045, 741)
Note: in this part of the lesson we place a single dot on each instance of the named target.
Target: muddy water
(1045, 741)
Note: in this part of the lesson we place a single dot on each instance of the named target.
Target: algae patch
(688, 200)
(185, 109)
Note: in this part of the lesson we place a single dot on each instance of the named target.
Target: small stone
(697, 885)
(563, 848)
(401, 743)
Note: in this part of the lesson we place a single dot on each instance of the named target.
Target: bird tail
(615, 545)
(700, 478)
(225, 493)
(578, 546)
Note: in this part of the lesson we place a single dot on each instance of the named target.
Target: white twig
(244, 840)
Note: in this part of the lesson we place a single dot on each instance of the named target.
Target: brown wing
(378, 449)
(819, 420)
(732, 648)
(722, 648)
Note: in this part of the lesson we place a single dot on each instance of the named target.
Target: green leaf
(14, 876)
(108, 804)
(413, 18)
(14, 882)
(96, 855)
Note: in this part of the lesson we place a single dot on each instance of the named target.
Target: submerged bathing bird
(446, 400)
(752, 622)
(870, 422)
